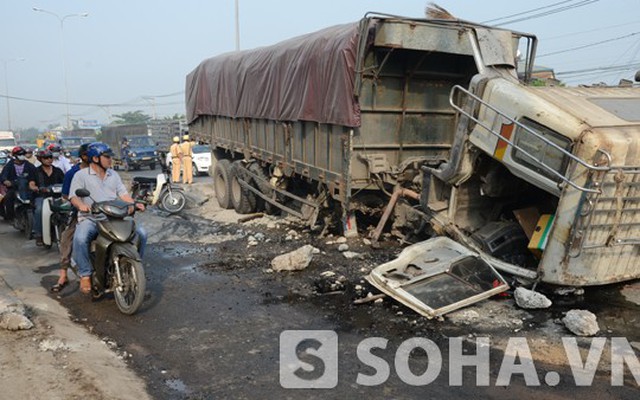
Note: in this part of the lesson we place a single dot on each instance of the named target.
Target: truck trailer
(433, 117)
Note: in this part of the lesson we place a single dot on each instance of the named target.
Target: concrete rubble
(296, 260)
(581, 322)
(13, 315)
(530, 300)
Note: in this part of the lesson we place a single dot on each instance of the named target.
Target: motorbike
(56, 215)
(23, 207)
(159, 190)
(117, 265)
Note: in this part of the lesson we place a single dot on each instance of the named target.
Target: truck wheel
(222, 183)
(265, 188)
(244, 201)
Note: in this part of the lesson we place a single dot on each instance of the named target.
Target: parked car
(201, 159)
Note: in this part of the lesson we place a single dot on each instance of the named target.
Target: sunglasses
(106, 155)
(47, 157)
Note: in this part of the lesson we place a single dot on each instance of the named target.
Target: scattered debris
(351, 254)
(581, 322)
(52, 345)
(531, 300)
(343, 247)
(292, 235)
(339, 240)
(250, 217)
(565, 291)
(370, 297)
(296, 260)
(327, 274)
(464, 317)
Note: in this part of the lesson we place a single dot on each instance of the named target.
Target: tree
(131, 117)
(175, 117)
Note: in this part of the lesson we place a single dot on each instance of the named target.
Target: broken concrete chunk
(294, 261)
(581, 322)
(464, 317)
(351, 254)
(14, 321)
(531, 300)
(52, 345)
(341, 239)
(343, 247)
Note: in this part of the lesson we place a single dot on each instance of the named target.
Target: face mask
(21, 158)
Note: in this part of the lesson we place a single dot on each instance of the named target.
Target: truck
(429, 121)
(140, 152)
(7, 141)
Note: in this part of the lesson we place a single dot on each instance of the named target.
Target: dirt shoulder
(57, 358)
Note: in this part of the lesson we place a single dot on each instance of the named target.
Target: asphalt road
(211, 327)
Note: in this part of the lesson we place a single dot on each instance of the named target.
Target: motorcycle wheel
(130, 298)
(173, 202)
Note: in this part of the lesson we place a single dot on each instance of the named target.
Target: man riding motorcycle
(59, 160)
(47, 176)
(104, 184)
(18, 166)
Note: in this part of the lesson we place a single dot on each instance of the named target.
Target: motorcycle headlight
(155, 153)
(133, 154)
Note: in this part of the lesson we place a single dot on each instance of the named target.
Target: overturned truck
(541, 182)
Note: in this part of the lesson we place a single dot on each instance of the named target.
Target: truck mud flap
(437, 276)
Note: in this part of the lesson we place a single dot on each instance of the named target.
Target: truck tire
(244, 201)
(264, 187)
(222, 183)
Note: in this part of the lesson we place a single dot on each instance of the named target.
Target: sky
(135, 54)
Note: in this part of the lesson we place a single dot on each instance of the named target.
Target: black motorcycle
(117, 265)
(23, 206)
(159, 190)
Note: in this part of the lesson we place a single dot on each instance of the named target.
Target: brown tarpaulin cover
(307, 78)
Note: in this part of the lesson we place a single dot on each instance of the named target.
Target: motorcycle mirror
(82, 193)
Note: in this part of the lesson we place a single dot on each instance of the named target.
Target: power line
(550, 12)
(616, 68)
(587, 45)
(526, 12)
(127, 104)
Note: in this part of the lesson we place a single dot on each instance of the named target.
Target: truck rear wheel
(244, 201)
(222, 183)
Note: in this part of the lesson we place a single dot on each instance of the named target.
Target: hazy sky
(129, 50)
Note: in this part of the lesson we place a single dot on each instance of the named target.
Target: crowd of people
(49, 167)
